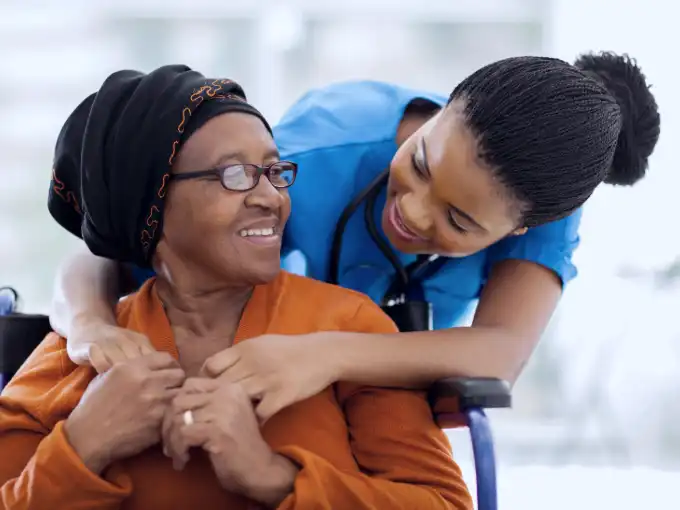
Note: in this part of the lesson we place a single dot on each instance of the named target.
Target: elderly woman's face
(217, 235)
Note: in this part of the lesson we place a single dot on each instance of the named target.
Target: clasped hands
(147, 400)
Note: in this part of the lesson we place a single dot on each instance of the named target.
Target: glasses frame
(221, 170)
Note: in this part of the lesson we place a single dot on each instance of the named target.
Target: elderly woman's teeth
(257, 232)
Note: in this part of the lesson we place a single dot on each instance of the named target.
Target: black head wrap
(114, 154)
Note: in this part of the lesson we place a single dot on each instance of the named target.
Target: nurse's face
(441, 197)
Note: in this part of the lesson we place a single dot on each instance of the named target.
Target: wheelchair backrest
(20, 334)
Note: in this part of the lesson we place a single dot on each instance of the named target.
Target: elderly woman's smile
(265, 235)
(228, 204)
(264, 232)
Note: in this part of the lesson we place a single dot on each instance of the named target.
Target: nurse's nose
(416, 214)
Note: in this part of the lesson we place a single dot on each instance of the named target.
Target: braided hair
(551, 132)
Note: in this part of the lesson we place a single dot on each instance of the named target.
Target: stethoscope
(404, 301)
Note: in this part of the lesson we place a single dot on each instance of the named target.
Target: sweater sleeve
(405, 459)
(39, 468)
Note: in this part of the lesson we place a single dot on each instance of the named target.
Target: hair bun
(640, 115)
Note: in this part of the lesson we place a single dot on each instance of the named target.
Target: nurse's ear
(416, 114)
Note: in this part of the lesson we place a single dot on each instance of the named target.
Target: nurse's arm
(86, 291)
(514, 309)
(404, 458)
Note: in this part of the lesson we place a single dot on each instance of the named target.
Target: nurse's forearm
(415, 360)
(86, 288)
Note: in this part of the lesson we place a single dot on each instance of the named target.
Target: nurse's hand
(102, 345)
(277, 371)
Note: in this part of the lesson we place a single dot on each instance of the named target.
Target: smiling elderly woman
(177, 172)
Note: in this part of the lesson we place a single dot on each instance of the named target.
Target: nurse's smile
(441, 198)
(398, 224)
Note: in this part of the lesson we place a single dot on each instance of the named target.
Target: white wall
(627, 330)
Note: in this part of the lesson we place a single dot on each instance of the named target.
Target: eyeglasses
(245, 177)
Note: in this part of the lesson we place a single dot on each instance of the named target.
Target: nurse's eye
(456, 225)
(418, 167)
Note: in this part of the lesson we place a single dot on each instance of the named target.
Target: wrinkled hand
(222, 422)
(121, 412)
(102, 345)
(277, 371)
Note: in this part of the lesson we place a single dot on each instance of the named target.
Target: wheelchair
(451, 399)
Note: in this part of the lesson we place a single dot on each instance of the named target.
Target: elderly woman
(180, 173)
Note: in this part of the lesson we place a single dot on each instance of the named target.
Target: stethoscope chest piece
(409, 315)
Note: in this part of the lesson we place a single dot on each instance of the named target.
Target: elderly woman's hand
(218, 416)
(121, 412)
(277, 371)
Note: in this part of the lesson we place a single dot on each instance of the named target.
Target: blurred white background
(596, 418)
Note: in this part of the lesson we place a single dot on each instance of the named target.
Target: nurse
(428, 205)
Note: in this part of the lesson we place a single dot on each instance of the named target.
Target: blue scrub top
(342, 136)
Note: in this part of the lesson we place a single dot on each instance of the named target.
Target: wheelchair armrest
(456, 394)
(20, 334)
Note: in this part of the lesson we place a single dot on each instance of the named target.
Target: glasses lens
(282, 174)
(239, 177)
